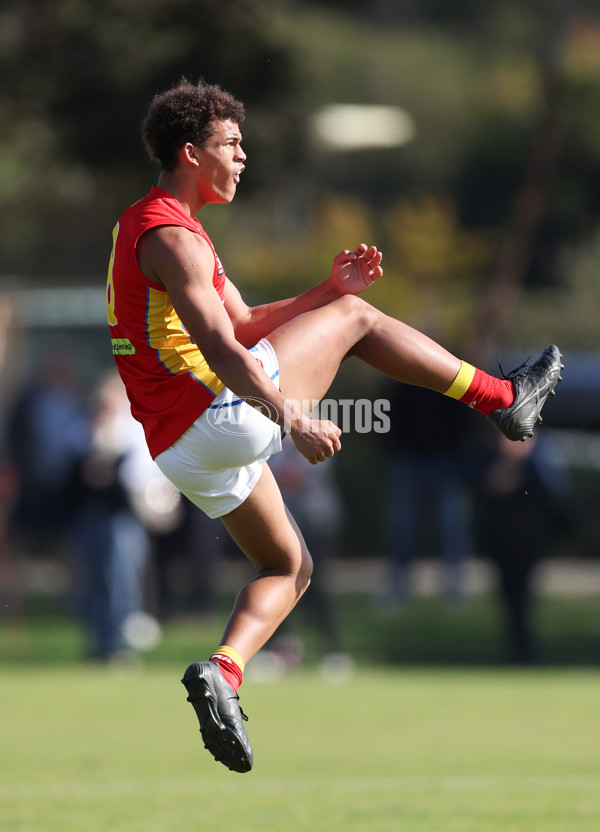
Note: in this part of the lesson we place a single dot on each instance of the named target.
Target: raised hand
(354, 271)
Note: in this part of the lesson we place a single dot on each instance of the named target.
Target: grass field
(91, 749)
(422, 744)
(424, 633)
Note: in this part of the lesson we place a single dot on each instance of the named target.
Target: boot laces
(512, 373)
(244, 717)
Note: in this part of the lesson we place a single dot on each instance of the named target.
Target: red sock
(487, 393)
(230, 664)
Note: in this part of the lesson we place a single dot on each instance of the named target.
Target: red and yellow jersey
(168, 381)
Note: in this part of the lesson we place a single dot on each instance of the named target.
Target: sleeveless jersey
(168, 381)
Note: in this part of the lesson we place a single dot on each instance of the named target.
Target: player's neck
(182, 190)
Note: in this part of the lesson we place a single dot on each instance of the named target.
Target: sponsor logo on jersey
(122, 346)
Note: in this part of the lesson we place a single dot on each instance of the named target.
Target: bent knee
(352, 304)
(358, 310)
(300, 570)
(296, 567)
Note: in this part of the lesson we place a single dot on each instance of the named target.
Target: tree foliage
(77, 76)
(490, 88)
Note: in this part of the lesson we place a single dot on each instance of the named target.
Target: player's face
(220, 163)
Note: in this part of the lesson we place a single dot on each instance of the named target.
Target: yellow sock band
(462, 382)
(232, 654)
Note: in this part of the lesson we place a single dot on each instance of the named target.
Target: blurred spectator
(428, 498)
(524, 506)
(46, 429)
(110, 541)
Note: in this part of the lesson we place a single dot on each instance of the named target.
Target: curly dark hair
(184, 114)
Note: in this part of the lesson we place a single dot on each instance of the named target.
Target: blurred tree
(479, 83)
(530, 196)
(503, 98)
(76, 77)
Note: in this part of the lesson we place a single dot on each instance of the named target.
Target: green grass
(424, 633)
(88, 749)
(414, 742)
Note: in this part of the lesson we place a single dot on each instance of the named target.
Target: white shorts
(218, 460)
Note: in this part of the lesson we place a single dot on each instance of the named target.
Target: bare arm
(184, 263)
(352, 272)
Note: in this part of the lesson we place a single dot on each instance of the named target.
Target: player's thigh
(311, 347)
(266, 532)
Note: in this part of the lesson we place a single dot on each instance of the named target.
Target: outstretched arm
(352, 272)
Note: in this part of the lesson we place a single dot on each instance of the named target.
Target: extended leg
(311, 347)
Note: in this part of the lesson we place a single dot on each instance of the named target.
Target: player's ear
(189, 153)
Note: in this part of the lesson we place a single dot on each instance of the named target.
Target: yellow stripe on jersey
(462, 382)
(175, 347)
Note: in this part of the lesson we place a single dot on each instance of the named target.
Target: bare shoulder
(170, 249)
